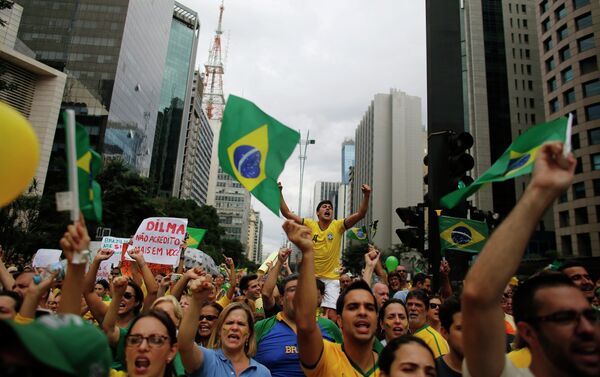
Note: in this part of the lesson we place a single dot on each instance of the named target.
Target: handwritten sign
(45, 257)
(115, 244)
(160, 239)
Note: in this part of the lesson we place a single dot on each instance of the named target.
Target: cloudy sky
(315, 66)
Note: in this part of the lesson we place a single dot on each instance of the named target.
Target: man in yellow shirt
(326, 235)
(417, 304)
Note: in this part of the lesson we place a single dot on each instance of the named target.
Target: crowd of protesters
(317, 322)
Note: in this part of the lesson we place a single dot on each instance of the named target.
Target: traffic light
(459, 164)
(414, 234)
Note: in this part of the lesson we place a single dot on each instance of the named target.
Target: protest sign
(45, 257)
(160, 239)
(115, 244)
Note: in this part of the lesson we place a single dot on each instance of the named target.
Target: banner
(45, 257)
(160, 239)
(116, 245)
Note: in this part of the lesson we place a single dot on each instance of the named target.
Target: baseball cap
(64, 342)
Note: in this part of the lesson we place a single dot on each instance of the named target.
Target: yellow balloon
(19, 154)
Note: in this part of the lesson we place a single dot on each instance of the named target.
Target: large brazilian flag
(462, 234)
(253, 148)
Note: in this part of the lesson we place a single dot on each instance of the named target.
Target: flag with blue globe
(462, 234)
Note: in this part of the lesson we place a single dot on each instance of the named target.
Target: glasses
(433, 305)
(153, 340)
(570, 317)
(208, 317)
(128, 295)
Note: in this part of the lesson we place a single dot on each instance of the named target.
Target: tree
(354, 258)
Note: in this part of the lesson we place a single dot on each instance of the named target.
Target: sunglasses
(434, 306)
(128, 295)
(208, 317)
(570, 317)
(153, 340)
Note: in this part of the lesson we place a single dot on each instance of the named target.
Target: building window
(546, 24)
(560, 12)
(565, 243)
(551, 85)
(563, 219)
(581, 216)
(562, 32)
(566, 75)
(583, 21)
(550, 64)
(591, 88)
(575, 143)
(594, 136)
(579, 190)
(532, 118)
(554, 106)
(596, 184)
(588, 65)
(527, 54)
(579, 166)
(592, 112)
(525, 24)
(548, 44)
(530, 84)
(595, 161)
(586, 43)
(523, 8)
(584, 244)
(529, 69)
(564, 53)
(580, 3)
(526, 38)
(531, 103)
(544, 6)
(569, 97)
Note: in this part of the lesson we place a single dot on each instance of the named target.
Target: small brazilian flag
(359, 234)
(253, 148)
(195, 236)
(517, 160)
(462, 234)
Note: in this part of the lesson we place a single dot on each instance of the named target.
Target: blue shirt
(401, 295)
(216, 364)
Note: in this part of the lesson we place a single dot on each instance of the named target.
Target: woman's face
(185, 303)
(412, 360)
(434, 309)
(208, 319)
(394, 283)
(148, 348)
(128, 301)
(235, 331)
(168, 308)
(395, 321)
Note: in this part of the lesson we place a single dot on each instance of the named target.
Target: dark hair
(524, 305)
(357, 284)
(419, 279)
(169, 325)
(420, 295)
(388, 303)
(570, 264)
(387, 356)
(448, 308)
(321, 287)
(15, 296)
(281, 285)
(245, 281)
(139, 296)
(219, 309)
(323, 202)
(104, 284)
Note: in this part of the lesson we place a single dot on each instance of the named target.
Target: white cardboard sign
(160, 239)
(45, 257)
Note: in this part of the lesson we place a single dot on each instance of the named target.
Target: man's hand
(366, 189)
(372, 257)
(104, 254)
(201, 289)
(75, 239)
(138, 255)
(552, 171)
(283, 255)
(119, 286)
(444, 268)
(194, 273)
(300, 235)
(229, 263)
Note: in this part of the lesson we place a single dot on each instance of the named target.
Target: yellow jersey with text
(434, 340)
(327, 246)
(334, 362)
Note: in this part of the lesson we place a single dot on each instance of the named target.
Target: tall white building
(325, 191)
(255, 229)
(389, 158)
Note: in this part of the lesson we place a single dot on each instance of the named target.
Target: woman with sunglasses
(208, 319)
(232, 341)
(433, 313)
(393, 320)
(150, 346)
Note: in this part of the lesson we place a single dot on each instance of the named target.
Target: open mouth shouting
(142, 364)
(363, 327)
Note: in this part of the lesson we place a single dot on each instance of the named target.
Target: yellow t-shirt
(334, 362)
(327, 245)
(434, 340)
(117, 373)
(521, 358)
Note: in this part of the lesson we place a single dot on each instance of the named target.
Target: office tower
(232, 202)
(254, 244)
(325, 191)
(347, 159)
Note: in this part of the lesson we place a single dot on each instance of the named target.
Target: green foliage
(354, 257)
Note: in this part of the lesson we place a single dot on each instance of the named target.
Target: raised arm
(283, 207)
(310, 341)
(109, 324)
(232, 278)
(95, 304)
(151, 285)
(362, 210)
(182, 283)
(500, 259)
(191, 355)
(445, 287)
(371, 260)
(271, 281)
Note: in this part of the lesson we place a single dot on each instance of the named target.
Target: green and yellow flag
(195, 236)
(358, 234)
(462, 234)
(517, 160)
(253, 148)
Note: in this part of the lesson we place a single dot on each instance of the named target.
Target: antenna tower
(213, 100)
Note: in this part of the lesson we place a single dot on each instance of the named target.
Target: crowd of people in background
(317, 322)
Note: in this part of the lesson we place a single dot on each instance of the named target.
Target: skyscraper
(175, 98)
(325, 191)
(569, 40)
(389, 158)
(232, 202)
(254, 244)
(114, 55)
(347, 159)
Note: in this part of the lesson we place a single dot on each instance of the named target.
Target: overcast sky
(315, 66)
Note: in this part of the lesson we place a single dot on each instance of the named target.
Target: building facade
(325, 191)
(347, 159)
(389, 156)
(232, 202)
(569, 40)
(175, 98)
(254, 244)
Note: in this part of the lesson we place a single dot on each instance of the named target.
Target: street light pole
(302, 158)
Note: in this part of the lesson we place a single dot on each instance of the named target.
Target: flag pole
(72, 164)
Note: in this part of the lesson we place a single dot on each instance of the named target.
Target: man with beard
(580, 277)
(357, 317)
(553, 317)
(450, 364)
(326, 235)
(417, 304)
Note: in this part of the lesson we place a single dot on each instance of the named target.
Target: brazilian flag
(358, 234)
(195, 236)
(462, 234)
(517, 160)
(253, 148)
(89, 164)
